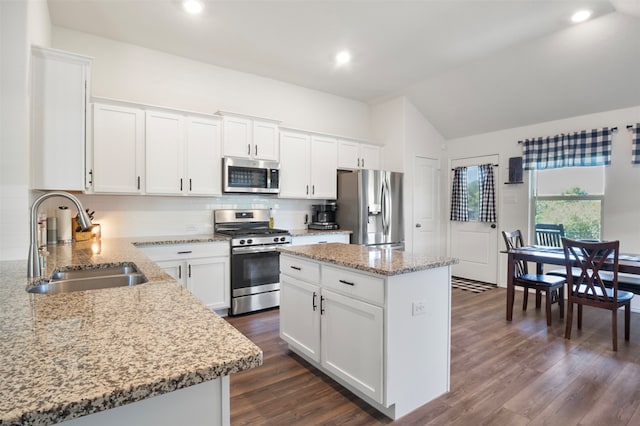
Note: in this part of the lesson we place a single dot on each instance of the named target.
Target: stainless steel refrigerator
(370, 204)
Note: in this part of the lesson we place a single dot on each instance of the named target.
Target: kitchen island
(377, 321)
(145, 354)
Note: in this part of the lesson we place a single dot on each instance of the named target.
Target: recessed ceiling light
(194, 7)
(343, 57)
(581, 15)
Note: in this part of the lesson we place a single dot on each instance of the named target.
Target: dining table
(543, 255)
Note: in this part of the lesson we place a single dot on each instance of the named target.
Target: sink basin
(121, 269)
(97, 277)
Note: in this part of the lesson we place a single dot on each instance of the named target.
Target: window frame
(533, 198)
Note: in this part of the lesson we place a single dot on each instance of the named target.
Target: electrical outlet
(418, 307)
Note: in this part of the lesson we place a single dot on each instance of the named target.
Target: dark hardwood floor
(518, 373)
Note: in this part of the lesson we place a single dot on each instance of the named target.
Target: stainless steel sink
(120, 269)
(99, 276)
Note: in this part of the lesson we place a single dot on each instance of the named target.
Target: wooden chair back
(548, 234)
(514, 240)
(589, 259)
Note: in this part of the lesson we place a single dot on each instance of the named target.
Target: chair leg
(548, 295)
(627, 321)
(614, 329)
(567, 329)
(561, 301)
(538, 299)
(525, 299)
(579, 317)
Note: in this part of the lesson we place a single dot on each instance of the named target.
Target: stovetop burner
(249, 228)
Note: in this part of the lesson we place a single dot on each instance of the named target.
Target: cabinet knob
(418, 225)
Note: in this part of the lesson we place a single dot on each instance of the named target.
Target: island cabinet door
(300, 316)
(352, 342)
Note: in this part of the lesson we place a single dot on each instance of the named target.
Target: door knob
(418, 225)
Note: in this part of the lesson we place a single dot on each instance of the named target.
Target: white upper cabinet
(149, 150)
(203, 155)
(118, 149)
(246, 137)
(59, 93)
(355, 155)
(308, 166)
(164, 153)
(182, 154)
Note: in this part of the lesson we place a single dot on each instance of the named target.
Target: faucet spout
(33, 268)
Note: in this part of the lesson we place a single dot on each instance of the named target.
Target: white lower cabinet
(201, 268)
(323, 324)
(385, 338)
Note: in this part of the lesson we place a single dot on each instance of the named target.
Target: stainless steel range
(255, 260)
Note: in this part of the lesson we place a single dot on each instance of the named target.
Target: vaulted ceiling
(470, 66)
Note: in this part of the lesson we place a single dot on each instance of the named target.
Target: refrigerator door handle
(385, 206)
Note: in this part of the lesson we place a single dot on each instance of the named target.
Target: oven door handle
(256, 249)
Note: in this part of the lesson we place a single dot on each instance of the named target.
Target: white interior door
(426, 184)
(475, 243)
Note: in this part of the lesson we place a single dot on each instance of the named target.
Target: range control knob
(242, 241)
(275, 240)
(282, 238)
(249, 241)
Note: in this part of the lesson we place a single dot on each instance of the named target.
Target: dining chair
(590, 288)
(549, 234)
(551, 286)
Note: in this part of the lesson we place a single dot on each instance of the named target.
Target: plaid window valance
(635, 144)
(568, 150)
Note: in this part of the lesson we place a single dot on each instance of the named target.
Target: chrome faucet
(34, 270)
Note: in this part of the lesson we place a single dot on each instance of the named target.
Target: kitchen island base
(204, 403)
(383, 336)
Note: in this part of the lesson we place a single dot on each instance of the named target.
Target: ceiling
(469, 66)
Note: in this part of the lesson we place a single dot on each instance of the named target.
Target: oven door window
(255, 269)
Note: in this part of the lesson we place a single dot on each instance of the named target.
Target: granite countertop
(67, 355)
(305, 232)
(369, 259)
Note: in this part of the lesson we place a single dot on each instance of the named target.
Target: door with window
(473, 241)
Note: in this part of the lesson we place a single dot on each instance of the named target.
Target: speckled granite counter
(369, 259)
(305, 232)
(67, 355)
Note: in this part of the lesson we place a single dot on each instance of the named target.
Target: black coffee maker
(323, 216)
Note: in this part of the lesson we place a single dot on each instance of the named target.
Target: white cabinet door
(323, 163)
(164, 153)
(352, 342)
(370, 157)
(348, 154)
(177, 269)
(118, 149)
(58, 121)
(208, 280)
(294, 165)
(236, 134)
(203, 157)
(300, 318)
(266, 141)
(355, 155)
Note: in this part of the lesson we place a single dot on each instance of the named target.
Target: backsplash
(142, 216)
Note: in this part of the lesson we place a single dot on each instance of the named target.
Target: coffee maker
(323, 216)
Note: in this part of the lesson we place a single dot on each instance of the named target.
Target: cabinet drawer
(362, 286)
(185, 251)
(301, 269)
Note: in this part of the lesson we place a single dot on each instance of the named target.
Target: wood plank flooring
(518, 373)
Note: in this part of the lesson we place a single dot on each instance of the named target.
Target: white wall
(405, 133)
(21, 23)
(621, 206)
(129, 72)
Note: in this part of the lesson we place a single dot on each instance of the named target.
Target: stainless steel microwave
(250, 176)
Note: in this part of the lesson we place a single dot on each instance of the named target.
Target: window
(571, 196)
